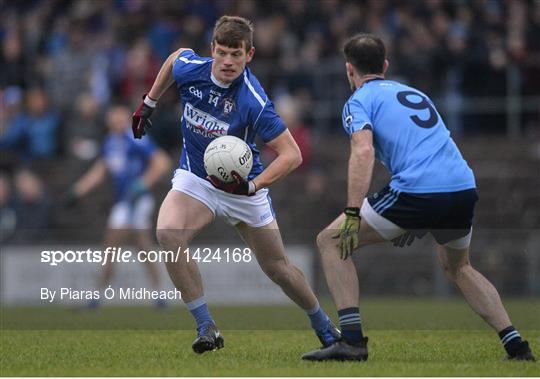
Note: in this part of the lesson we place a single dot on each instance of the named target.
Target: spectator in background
(10, 109)
(107, 67)
(530, 60)
(134, 166)
(89, 44)
(84, 128)
(10, 106)
(164, 30)
(290, 111)
(32, 207)
(8, 218)
(33, 134)
(140, 71)
(70, 68)
(12, 61)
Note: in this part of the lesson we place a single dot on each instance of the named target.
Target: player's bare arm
(141, 117)
(359, 178)
(93, 177)
(360, 171)
(164, 78)
(288, 158)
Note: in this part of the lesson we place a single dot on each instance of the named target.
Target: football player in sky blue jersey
(134, 167)
(431, 190)
(222, 97)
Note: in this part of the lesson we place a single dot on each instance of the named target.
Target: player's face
(229, 62)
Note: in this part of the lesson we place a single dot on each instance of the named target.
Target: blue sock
(319, 319)
(351, 325)
(199, 310)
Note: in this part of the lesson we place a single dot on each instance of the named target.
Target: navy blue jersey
(126, 159)
(212, 110)
(409, 136)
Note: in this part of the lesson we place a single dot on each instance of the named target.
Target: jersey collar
(224, 85)
(373, 79)
(217, 82)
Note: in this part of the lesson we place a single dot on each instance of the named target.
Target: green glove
(348, 232)
(70, 198)
(136, 190)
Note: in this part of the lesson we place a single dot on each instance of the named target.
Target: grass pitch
(447, 340)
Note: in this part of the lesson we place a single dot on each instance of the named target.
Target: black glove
(239, 186)
(405, 239)
(141, 117)
(70, 199)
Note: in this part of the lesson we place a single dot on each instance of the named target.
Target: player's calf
(278, 271)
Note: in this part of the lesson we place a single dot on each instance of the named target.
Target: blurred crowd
(64, 61)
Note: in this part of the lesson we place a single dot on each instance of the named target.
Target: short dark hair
(366, 53)
(231, 31)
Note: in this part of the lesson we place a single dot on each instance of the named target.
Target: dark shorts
(447, 215)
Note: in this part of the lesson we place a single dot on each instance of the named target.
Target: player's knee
(324, 238)
(454, 272)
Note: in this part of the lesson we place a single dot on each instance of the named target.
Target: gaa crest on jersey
(228, 106)
(196, 92)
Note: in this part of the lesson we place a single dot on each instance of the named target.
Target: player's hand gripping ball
(228, 161)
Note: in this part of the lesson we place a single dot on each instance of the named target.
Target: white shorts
(256, 211)
(386, 228)
(125, 215)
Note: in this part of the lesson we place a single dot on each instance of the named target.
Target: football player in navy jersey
(134, 166)
(432, 190)
(221, 96)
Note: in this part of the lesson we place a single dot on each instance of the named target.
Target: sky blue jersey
(409, 136)
(126, 159)
(212, 110)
